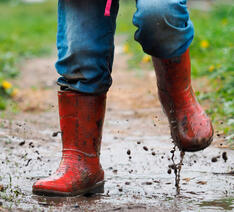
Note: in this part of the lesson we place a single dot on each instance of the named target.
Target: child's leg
(164, 27)
(85, 56)
(165, 32)
(85, 43)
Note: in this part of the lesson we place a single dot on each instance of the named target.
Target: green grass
(27, 30)
(215, 62)
(125, 26)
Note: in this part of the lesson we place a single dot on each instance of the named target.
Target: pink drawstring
(108, 7)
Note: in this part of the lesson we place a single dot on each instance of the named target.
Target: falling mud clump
(169, 171)
(129, 152)
(214, 159)
(31, 145)
(145, 148)
(176, 168)
(224, 156)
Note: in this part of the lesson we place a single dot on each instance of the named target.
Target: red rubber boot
(81, 121)
(191, 129)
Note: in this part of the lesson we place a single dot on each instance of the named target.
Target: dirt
(136, 150)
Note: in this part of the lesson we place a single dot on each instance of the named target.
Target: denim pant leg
(164, 27)
(85, 43)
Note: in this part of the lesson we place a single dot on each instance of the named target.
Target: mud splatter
(176, 168)
(21, 143)
(224, 156)
(214, 159)
(145, 148)
(129, 152)
(55, 134)
(28, 162)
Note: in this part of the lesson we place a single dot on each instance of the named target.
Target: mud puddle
(137, 176)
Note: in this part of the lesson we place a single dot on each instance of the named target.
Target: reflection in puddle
(225, 204)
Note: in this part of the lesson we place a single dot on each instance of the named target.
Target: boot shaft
(81, 121)
(173, 74)
(174, 82)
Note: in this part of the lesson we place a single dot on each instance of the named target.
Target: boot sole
(197, 148)
(98, 188)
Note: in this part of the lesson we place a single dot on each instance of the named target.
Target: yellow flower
(15, 92)
(224, 22)
(6, 84)
(126, 48)
(204, 44)
(211, 68)
(146, 59)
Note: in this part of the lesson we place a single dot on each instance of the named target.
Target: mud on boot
(79, 172)
(191, 129)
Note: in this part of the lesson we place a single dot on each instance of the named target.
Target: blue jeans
(85, 38)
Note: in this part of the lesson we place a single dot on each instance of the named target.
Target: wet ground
(135, 152)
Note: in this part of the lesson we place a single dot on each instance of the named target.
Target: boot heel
(99, 189)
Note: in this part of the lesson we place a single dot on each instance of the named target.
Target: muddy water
(137, 176)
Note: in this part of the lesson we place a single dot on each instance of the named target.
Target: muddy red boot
(80, 172)
(191, 129)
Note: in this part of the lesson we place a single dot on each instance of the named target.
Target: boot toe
(196, 144)
(202, 138)
(48, 187)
